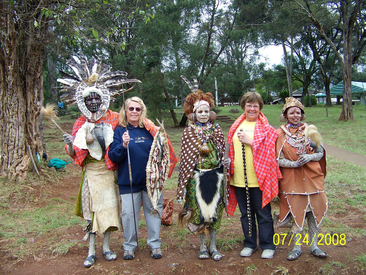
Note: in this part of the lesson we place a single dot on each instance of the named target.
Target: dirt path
(345, 155)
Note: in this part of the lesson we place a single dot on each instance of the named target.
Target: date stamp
(323, 239)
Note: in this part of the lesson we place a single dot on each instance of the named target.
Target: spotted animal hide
(157, 168)
(208, 186)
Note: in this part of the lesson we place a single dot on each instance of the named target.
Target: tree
(353, 19)
(305, 66)
(24, 35)
(27, 27)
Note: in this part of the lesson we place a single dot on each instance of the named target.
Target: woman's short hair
(122, 113)
(251, 97)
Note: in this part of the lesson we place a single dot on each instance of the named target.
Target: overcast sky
(271, 55)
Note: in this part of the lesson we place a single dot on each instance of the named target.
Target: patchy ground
(179, 255)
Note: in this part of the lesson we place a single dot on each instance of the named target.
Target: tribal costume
(92, 86)
(102, 209)
(296, 198)
(303, 165)
(192, 162)
(202, 177)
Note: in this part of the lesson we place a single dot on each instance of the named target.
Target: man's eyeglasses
(131, 109)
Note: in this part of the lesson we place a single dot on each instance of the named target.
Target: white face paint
(203, 114)
(293, 115)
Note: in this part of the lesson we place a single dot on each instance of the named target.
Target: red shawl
(109, 117)
(264, 160)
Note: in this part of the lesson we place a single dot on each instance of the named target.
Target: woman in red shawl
(254, 174)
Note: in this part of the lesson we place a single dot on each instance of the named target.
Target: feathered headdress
(197, 98)
(92, 76)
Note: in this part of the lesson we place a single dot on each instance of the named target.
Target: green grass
(361, 259)
(333, 268)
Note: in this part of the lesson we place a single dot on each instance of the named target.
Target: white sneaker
(268, 253)
(247, 252)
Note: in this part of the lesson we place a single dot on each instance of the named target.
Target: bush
(283, 95)
(306, 101)
(216, 110)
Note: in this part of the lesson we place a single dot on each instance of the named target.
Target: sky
(271, 55)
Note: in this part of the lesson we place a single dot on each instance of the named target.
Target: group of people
(256, 164)
(262, 163)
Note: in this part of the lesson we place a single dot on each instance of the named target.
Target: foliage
(312, 99)
(283, 95)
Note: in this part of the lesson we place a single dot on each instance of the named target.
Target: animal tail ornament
(312, 133)
(184, 216)
(157, 168)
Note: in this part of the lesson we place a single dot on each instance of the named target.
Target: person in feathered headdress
(92, 86)
(301, 158)
(200, 181)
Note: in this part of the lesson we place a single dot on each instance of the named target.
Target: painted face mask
(203, 114)
(93, 102)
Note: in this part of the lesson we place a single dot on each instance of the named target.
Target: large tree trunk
(21, 95)
(347, 108)
(348, 21)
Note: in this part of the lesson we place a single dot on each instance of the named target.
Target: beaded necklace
(297, 140)
(203, 132)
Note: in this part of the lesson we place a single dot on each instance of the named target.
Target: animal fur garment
(102, 137)
(208, 185)
(312, 133)
(157, 167)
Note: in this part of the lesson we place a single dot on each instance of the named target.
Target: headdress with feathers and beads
(92, 76)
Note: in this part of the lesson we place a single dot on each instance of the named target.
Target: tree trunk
(288, 70)
(347, 109)
(171, 109)
(21, 96)
(326, 81)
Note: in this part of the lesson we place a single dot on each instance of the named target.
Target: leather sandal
(318, 253)
(89, 261)
(216, 255)
(109, 255)
(294, 255)
(203, 255)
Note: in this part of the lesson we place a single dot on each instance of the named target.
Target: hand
(126, 139)
(227, 162)
(283, 162)
(67, 139)
(303, 159)
(244, 138)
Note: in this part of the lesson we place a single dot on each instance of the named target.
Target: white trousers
(153, 222)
